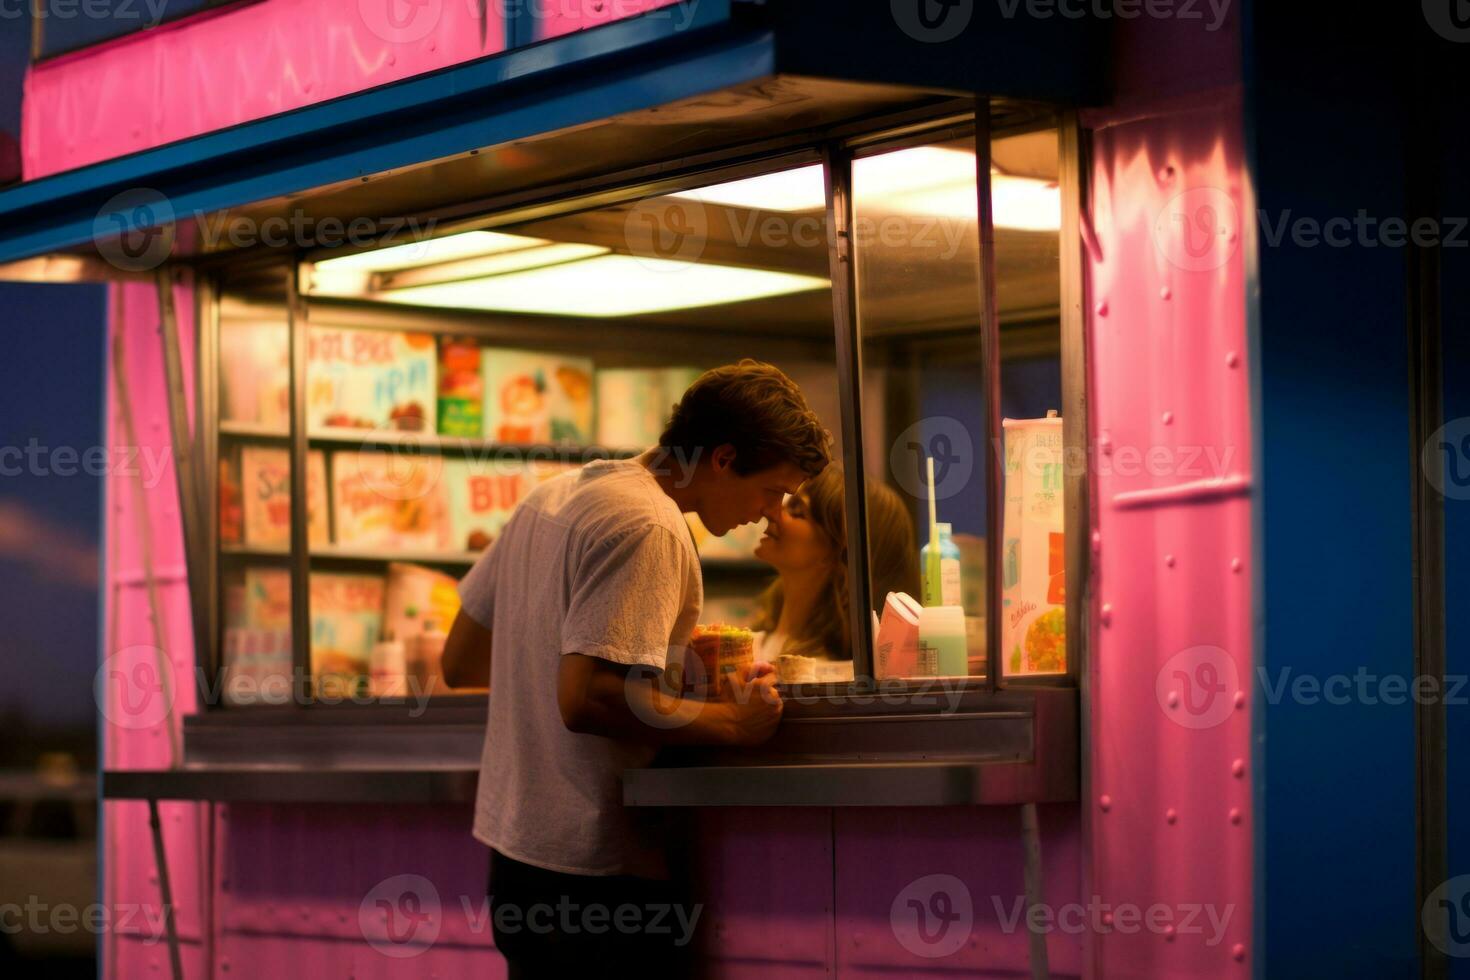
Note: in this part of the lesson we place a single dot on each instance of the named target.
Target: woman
(805, 611)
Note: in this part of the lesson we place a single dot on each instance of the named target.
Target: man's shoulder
(613, 501)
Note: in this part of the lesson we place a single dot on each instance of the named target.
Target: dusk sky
(50, 391)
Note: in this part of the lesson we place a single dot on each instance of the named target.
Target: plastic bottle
(388, 669)
(941, 571)
(942, 648)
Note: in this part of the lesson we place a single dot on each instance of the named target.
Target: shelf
(733, 566)
(377, 439)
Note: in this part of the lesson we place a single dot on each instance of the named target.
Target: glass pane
(529, 348)
(254, 497)
(916, 240)
(1028, 292)
(925, 423)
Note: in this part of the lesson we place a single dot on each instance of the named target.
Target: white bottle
(388, 669)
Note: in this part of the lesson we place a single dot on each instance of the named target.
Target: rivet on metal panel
(1235, 564)
(1167, 418)
(1105, 444)
(1173, 699)
(1235, 814)
(1237, 768)
(1171, 815)
(1165, 294)
(1168, 934)
(1107, 614)
(1239, 699)
(1107, 918)
(1238, 951)
(1102, 308)
(1232, 359)
(1096, 540)
(1106, 802)
(1169, 561)
(392, 61)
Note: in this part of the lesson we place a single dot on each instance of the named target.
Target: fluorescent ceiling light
(479, 267)
(922, 180)
(802, 189)
(609, 286)
(948, 189)
(434, 250)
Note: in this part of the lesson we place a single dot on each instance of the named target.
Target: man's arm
(600, 697)
(467, 653)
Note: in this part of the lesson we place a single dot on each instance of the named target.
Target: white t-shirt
(598, 562)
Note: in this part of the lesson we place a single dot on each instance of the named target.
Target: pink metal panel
(134, 719)
(135, 959)
(1171, 651)
(558, 17)
(212, 71)
(766, 879)
(963, 868)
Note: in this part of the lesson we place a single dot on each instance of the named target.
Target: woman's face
(794, 542)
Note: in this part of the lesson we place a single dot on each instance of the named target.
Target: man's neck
(671, 478)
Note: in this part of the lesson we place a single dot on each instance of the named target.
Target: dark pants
(547, 923)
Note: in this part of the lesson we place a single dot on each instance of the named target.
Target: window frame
(835, 149)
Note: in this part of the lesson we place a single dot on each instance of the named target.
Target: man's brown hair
(754, 407)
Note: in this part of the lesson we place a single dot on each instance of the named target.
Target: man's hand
(599, 697)
(755, 705)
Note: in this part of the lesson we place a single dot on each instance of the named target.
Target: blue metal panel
(580, 78)
(1336, 802)
(1455, 310)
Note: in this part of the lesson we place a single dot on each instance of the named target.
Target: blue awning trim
(449, 112)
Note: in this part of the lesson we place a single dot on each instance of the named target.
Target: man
(571, 615)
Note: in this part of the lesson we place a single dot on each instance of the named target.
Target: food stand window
(381, 411)
(963, 447)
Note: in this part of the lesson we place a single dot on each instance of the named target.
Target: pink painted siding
(214, 71)
(559, 17)
(1170, 807)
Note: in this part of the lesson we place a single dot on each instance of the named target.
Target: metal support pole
(848, 340)
(165, 891)
(185, 467)
(1031, 844)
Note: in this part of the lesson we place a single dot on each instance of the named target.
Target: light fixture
(352, 275)
(484, 266)
(609, 286)
(802, 189)
(887, 182)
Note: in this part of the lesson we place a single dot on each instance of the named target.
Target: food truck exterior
(1157, 807)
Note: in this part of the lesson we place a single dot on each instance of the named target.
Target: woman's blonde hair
(895, 565)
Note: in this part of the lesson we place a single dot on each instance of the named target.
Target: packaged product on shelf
(231, 506)
(535, 397)
(265, 484)
(416, 596)
(255, 372)
(268, 598)
(481, 496)
(461, 388)
(389, 501)
(634, 404)
(346, 621)
(1033, 601)
(370, 379)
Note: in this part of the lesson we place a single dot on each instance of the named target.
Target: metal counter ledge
(972, 747)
